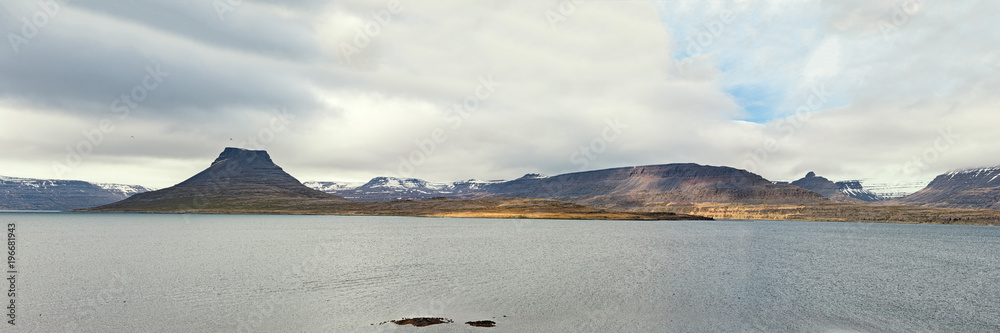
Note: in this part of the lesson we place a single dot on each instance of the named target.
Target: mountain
(854, 189)
(971, 188)
(236, 177)
(243, 181)
(330, 187)
(846, 191)
(619, 188)
(393, 188)
(895, 190)
(247, 182)
(654, 185)
(48, 194)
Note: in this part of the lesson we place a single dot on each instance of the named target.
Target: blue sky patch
(760, 102)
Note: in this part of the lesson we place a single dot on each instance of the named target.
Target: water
(205, 273)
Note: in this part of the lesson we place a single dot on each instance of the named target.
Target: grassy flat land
(833, 212)
(470, 208)
(531, 208)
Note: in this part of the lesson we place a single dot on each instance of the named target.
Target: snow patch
(976, 171)
(14, 179)
(127, 190)
(333, 186)
(893, 190)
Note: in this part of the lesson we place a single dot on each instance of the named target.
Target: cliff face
(237, 174)
(48, 194)
(974, 188)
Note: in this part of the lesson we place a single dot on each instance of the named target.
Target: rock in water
(422, 321)
(482, 323)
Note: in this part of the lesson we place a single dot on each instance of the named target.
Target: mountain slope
(236, 176)
(632, 188)
(48, 194)
(642, 186)
(854, 189)
(972, 188)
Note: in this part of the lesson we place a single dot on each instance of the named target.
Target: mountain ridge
(244, 181)
(18, 193)
(975, 188)
(632, 187)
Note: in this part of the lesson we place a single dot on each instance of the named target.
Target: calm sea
(224, 273)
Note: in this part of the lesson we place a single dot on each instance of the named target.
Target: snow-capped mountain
(991, 173)
(334, 186)
(969, 188)
(404, 184)
(125, 190)
(384, 188)
(894, 190)
(394, 188)
(854, 189)
(850, 191)
(50, 194)
(618, 187)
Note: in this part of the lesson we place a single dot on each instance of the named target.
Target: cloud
(684, 82)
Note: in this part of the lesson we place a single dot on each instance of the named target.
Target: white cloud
(889, 92)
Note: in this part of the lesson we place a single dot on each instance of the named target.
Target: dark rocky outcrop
(482, 323)
(428, 321)
(422, 321)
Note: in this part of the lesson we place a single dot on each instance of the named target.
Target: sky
(150, 92)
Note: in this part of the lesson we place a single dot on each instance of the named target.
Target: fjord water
(205, 273)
